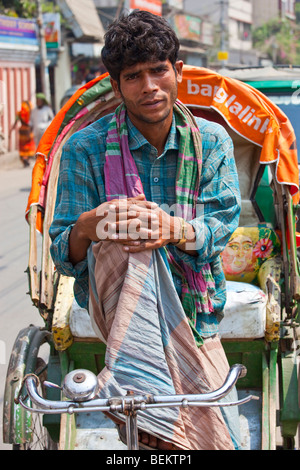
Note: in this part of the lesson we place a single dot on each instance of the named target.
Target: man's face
(39, 102)
(149, 91)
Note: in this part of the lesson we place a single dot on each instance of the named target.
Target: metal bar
(132, 403)
(237, 371)
(132, 431)
(204, 403)
(78, 409)
(265, 437)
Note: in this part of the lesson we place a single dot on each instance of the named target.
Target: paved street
(16, 310)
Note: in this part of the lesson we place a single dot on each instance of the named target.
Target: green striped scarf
(122, 180)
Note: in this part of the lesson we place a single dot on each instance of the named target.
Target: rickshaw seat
(252, 269)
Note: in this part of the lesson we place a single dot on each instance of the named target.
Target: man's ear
(115, 88)
(178, 68)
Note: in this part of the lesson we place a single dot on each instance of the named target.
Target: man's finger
(142, 246)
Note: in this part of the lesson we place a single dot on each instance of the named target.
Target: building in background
(212, 33)
(266, 10)
(79, 40)
(195, 33)
(287, 9)
(57, 59)
(276, 33)
(83, 39)
(19, 50)
(232, 21)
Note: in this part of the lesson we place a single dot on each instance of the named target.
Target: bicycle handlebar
(130, 402)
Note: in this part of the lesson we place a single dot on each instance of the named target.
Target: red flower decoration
(263, 248)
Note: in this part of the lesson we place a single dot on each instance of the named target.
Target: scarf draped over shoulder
(122, 180)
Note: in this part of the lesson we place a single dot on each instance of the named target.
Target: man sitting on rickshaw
(147, 199)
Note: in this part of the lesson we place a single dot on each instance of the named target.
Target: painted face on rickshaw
(149, 91)
(238, 255)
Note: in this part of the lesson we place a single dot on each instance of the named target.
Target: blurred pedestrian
(42, 115)
(26, 137)
(93, 73)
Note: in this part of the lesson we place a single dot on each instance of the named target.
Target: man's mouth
(152, 103)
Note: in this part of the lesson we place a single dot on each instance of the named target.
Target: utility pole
(119, 9)
(222, 24)
(43, 54)
(222, 28)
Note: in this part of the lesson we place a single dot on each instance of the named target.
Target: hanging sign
(18, 31)
(51, 23)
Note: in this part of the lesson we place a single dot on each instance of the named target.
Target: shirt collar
(136, 140)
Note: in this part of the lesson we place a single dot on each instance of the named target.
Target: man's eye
(131, 77)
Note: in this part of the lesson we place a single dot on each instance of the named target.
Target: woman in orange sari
(27, 146)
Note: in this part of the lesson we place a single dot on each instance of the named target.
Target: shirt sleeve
(219, 200)
(76, 193)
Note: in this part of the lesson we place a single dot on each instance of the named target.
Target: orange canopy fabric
(249, 113)
(246, 110)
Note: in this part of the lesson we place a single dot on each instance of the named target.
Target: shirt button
(156, 180)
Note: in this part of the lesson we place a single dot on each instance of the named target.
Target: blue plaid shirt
(81, 188)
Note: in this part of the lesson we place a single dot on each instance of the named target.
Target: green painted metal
(289, 413)
(265, 438)
(87, 355)
(70, 433)
(260, 359)
(68, 422)
(91, 94)
(265, 198)
(273, 379)
(248, 353)
(274, 86)
(54, 375)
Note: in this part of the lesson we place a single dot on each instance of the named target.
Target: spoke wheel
(40, 438)
(22, 428)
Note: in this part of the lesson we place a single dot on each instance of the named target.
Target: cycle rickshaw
(261, 326)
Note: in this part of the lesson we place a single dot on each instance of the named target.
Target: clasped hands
(137, 224)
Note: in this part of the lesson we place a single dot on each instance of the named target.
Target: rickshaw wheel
(21, 428)
(40, 439)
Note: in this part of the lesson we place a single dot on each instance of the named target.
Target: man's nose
(149, 84)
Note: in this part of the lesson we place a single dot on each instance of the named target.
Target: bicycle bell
(80, 385)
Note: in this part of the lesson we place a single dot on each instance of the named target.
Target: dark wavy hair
(138, 37)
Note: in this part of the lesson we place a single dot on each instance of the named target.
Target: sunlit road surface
(16, 309)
